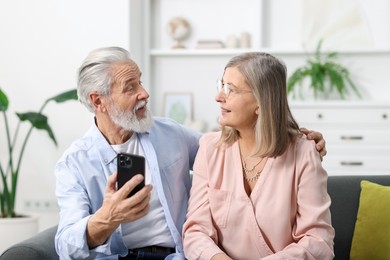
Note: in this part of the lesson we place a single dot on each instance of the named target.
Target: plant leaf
(336, 80)
(3, 101)
(38, 121)
(294, 79)
(65, 96)
(332, 55)
(353, 86)
(318, 51)
(317, 78)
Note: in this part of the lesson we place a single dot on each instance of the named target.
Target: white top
(151, 229)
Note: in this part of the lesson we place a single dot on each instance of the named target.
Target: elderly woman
(259, 189)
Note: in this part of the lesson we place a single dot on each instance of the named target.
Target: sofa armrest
(39, 247)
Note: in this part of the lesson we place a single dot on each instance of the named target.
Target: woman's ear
(257, 111)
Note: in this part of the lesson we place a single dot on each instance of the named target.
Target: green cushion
(371, 238)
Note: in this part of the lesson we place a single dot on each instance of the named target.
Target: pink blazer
(286, 216)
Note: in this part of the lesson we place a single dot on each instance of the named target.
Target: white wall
(44, 41)
(42, 44)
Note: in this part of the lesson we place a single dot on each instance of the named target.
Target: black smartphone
(128, 166)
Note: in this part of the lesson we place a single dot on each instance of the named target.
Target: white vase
(14, 230)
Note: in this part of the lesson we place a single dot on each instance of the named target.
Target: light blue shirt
(82, 174)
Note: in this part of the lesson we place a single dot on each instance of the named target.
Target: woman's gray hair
(94, 73)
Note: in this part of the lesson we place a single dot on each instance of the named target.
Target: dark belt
(153, 249)
(149, 252)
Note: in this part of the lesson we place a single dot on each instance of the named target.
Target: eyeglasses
(227, 88)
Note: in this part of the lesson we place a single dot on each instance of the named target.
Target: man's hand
(318, 139)
(117, 209)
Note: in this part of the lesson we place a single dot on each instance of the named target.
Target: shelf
(340, 104)
(229, 52)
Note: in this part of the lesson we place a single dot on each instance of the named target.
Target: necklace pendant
(252, 178)
(247, 171)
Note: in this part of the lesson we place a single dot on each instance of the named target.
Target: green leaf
(38, 121)
(65, 96)
(318, 51)
(332, 55)
(317, 77)
(294, 79)
(336, 80)
(3, 101)
(322, 69)
(353, 86)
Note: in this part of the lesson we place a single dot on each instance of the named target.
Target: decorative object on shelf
(10, 171)
(328, 78)
(231, 41)
(178, 106)
(179, 29)
(209, 44)
(245, 40)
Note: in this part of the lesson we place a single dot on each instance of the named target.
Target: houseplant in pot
(324, 76)
(14, 144)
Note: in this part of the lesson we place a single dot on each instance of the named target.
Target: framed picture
(178, 106)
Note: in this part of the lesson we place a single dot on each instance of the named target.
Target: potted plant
(327, 77)
(10, 171)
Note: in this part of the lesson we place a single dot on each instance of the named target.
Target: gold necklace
(246, 171)
(251, 170)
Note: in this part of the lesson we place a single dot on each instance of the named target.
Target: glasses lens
(219, 86)
(226, 89)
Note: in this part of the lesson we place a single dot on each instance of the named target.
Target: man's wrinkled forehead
(125, 71)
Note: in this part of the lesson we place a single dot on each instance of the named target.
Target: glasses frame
(227, 89)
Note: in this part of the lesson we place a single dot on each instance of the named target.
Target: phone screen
(128, 166)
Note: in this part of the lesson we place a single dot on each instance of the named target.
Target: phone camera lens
(128, 161)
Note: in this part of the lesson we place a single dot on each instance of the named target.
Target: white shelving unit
(196, 70)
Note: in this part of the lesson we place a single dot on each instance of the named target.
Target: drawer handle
(351, 137)
(384, 116)
(351, 163)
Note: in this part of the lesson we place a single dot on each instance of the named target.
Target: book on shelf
(209, 44)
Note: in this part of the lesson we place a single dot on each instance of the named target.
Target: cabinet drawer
(343, 116)
(364, 151)
(358, 162)
(357, 171)
(356, 137)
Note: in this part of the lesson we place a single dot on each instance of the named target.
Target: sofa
(38, 247)
(343, 190)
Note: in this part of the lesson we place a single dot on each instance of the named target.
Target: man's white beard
(129, 121)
